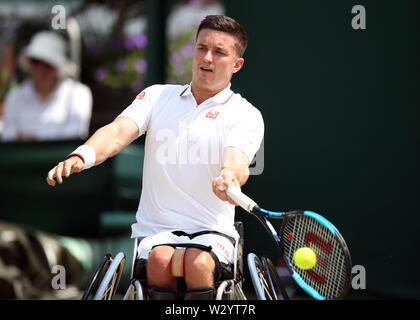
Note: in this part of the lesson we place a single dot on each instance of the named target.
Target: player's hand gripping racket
(330, 277)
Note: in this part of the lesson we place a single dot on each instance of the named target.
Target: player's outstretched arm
(234, 171)
(103, 144)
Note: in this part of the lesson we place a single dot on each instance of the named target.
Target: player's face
(215, 60)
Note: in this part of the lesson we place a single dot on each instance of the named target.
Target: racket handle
(244, 201)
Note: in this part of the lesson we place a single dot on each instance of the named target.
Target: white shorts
(221, 246)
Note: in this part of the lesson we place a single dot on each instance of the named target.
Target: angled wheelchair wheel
(273, 279)
(97, 276)
(259, 278)
(111, 279)
(269, 278)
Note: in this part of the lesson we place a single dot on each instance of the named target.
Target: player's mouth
(206, 69)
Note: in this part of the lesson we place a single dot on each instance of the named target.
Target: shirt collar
(221, 98)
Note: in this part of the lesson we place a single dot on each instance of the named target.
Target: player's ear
(238, 65)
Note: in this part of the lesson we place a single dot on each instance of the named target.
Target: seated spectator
(50, 105)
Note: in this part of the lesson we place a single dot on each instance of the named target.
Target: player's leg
(200, 265)
(199, 269)
(159, 268)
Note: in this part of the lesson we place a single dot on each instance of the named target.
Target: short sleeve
(140, 110)
(247, 133)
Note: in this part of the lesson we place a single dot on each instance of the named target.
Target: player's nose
(208, 57)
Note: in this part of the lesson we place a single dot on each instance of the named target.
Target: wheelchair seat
(228, 284)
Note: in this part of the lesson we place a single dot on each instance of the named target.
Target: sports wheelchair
(104, 282)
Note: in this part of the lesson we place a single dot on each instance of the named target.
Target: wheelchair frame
(108, 275)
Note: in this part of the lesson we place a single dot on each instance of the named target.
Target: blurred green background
(340, 107)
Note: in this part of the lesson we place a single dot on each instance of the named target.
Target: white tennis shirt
(183, 154)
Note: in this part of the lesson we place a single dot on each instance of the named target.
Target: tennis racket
(331, 276)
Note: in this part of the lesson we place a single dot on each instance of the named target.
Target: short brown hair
(228, 25)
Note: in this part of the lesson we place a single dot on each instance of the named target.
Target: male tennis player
(200, 139)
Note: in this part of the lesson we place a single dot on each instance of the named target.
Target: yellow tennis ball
(304, 258)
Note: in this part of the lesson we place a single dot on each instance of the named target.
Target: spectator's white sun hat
(51, 48)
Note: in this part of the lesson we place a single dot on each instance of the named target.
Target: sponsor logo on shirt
(141, 95)
(212, 114)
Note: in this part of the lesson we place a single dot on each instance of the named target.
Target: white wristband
(87, 154)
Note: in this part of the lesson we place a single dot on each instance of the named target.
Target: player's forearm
(234, 172)
(235, 163)
(105, 143)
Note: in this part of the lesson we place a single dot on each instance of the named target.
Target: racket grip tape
(241, 199)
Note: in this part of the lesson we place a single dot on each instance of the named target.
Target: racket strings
(328, 276)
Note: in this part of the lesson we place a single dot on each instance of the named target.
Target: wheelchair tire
(258, 278)
(109, 284)
(269, 278)
(97, 276)
(274, 281)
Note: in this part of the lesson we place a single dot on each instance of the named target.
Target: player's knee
(159, 264)
(160, 257)
(198, 261)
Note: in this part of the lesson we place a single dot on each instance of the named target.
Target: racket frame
(264, 215)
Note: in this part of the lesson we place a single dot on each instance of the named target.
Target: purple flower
(187, 51)
(140, 65)
(140, 41)
(100, 74)
(136, 42)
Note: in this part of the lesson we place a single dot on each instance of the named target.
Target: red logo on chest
(212, 114)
